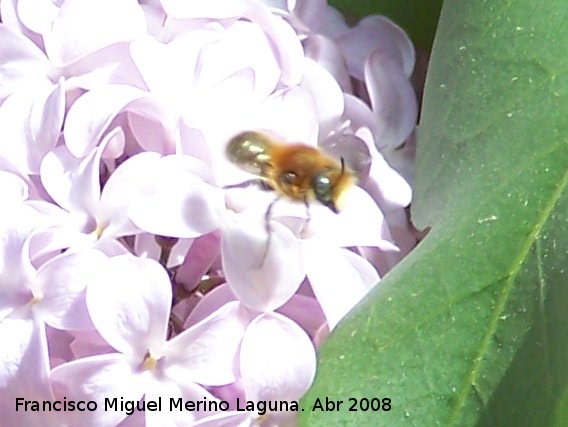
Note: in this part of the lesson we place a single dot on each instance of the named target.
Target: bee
(297, 171)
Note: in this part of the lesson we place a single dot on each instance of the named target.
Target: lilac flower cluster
(128, 273)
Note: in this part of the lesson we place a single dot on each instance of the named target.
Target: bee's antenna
(342, 166)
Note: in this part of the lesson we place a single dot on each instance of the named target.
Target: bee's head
(329, 186)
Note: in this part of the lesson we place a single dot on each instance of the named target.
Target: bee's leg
(308, 215)
(254, 181)
(267, 215)
(262, 184)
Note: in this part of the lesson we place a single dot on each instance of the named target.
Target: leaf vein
(532, 237)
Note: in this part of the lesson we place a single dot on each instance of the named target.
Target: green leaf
(471, 329)
(418, 17)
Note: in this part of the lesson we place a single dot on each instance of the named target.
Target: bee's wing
(251, 151)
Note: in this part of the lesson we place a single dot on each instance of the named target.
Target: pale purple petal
(110, 65)
(9, 14)
(17, 221)
(261, 284)
(212, 9)
(311, 12)
(63, 235)
(291, 114)
(338, 277)
(111, 247)
(199, 258)
(286, 42)
(377, 34)
(327, 95)
(63, 280)
(277, 359)
(176, 202)
(122, 20)
(71, 182)
(389, 190)
(211, 302)
(155, 17)
(30, 123)
(89, 343)
(169, 69)
(50, 234)
(13, 188)
(228, 419)
(91, 114)
(321, 335)
(21, 62)
(96, 378)
(360, 223)
(393, 99)
(403, 158)
(205, 353)
(120, 191)
(326, 53)
(24, 368)
(153, 125)
(174, 390)
(244, 45)
(145, 246)
(192, 142)
(276, 6)
(332, 22)
(401, 230)
(306, 312)
(137, 419)
(129, 302)
(360, 117)
(37, 15)
(24, 364)
(59, 346)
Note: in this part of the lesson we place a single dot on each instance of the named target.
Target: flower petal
(228, 419)
(24, 368)
(360, 223)
(327, 95)
(146, 246)
(277, 359)
(122, 188)
(385, 185)
(212, 9)
(21, 62)
(83, 19)
(205, 353)
(326, 53)
(377, 34)
(13, 188)
(129, 302)
(37, 15)
(91, 114)
(30, 122)
(306, 312)
(338, 277)
(71, 182)
(97, 378)
(63, 280)
(175, 200)
(211, 302)
(262, 273)
(169, 391)
(17, 222)
(198, 259)
(393, 99)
